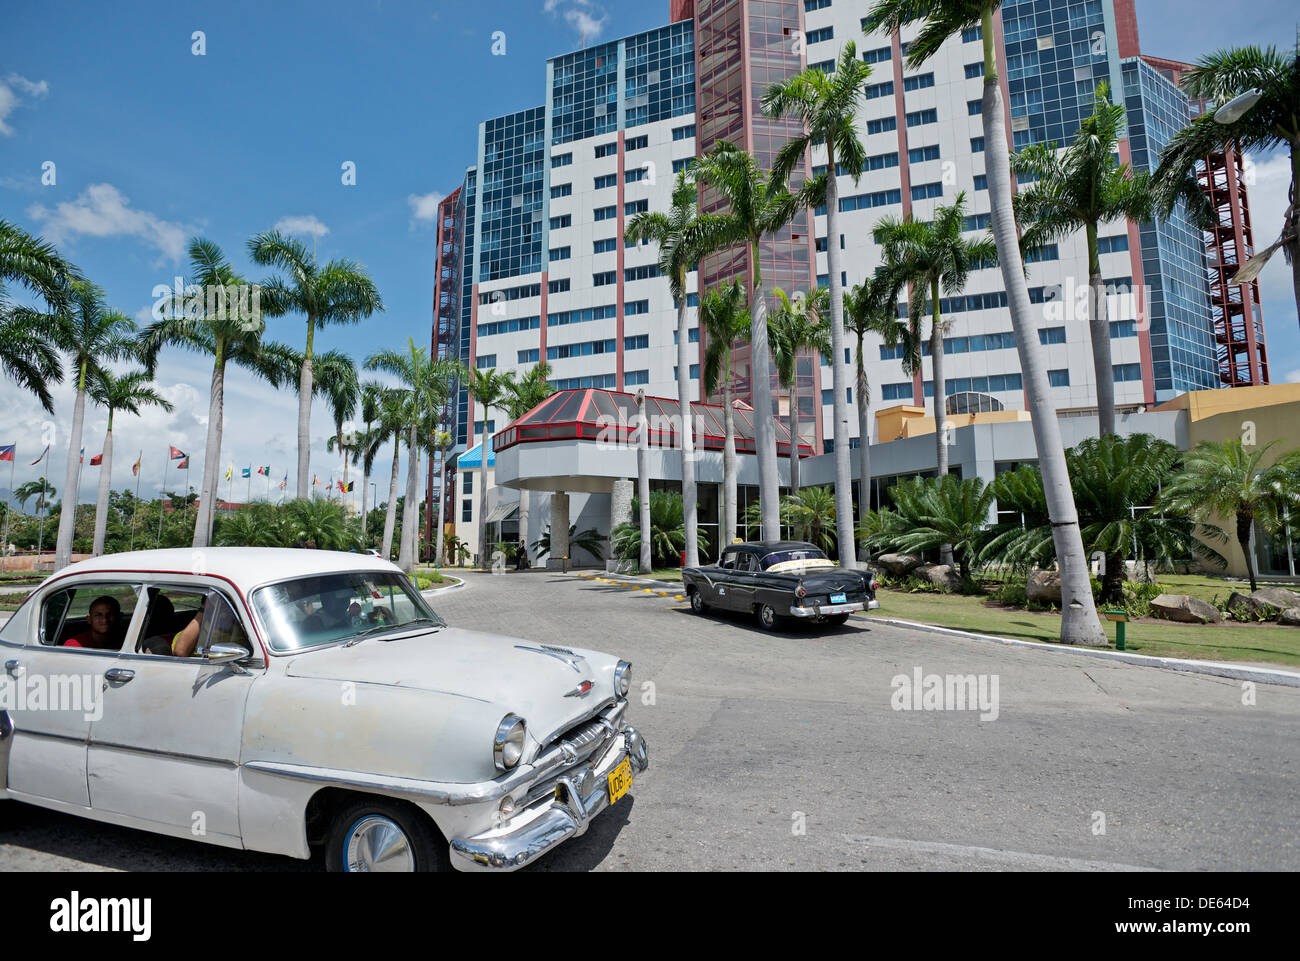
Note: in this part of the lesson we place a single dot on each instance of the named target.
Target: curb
(1261, 675)
(631, 582)
(433, 591)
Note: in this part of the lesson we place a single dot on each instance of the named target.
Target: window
(1112, 245)
(1123, 328)
(510, 293)
(557, 286)
(559, 253)
(875, 90)
(606, 213)
(561, 160)
(976, 144)
(644, 272)
(606, 150)
(604, 278)
(607, 180)
(636, 207)
(925, 191)
(487, 360)
(684, 133)
(974, 107)
(493, 327)
(900, 391)
(634, 307)
(1051, 335)
(186, 621)
(879, 55)
(810, 5)
(692, 336)
(828, 396)
(479, 428)
(981, 182)
(818, 36)
(971, 34)
(883, 125)
(1046, 252)
(636, 143)
(974, 70)
(1058, 378)
(977, 222)
(919, 81)
(636, 378)
(563, 317)
(583, 349)
(604, 246)
(825, 66)
(695, 372)
(564, 220)
(636, 342)
(635, 174)
(90, 616)
(561, 190)
(921, 154)
(466, 509)
(1126, 372)
(881, 198)
(680, 165)
(920, 117)
(531, 356)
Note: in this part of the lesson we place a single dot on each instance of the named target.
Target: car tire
(380, 834)
(697, 603)
(769, 619)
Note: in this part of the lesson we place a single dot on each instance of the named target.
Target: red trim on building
(618, 323)
(1141, 306)
(904, 178)
(1126, 26)
(541, 327)
(679, 10)
(473, 362)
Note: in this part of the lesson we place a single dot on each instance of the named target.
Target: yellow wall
(894, 423)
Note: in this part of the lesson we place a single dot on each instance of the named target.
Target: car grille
(586, 739)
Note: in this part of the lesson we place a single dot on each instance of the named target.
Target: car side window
(88, 615)
(221, 625)
(728, 562)
(185, 621)
(748, 563)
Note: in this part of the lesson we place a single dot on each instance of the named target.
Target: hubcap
(766, 615)
(376, 843)
(697, 602)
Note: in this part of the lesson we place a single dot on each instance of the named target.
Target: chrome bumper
(822, 610)
(568, 815)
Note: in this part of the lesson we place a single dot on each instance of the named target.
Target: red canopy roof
(591, 414)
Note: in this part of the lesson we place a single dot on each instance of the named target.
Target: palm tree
(1081, 188)
(941, 20)
(812, 516)
(724, 319)
(938, 512)
(1271, 121)
(660, 524)
(525, 393)
(642, 500)
(676, 233)
(424, 386)
(27, 355)
(392, 421)
(335, 377)
(827, 104)
(114, 392)
(341, 292)
(490, 388)
(92, 336)
(796, 328)
(441, 441)
(228, 338)
(872, 308)
(929, 256)
(366, 448)
(1226, 480)
(758, 206)
(44, 493)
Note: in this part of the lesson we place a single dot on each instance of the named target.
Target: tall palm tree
(797, 328)
(391, 426)
(424, 386)
(125, 392)
(724, 319)
(931, 256)
(91, 335)
(525, 393)
(442, 439)
(645, 558)
(676, 234)
(1271, 121)
(872, 308)
(941, 20)
(372, 395)
(341, 292)
(42, 490)
(827, 104)
(229, 339)
(27, 355)
(335, 377)
(757, 206)
(1081, 188)
(1225, 480)
(490, 388)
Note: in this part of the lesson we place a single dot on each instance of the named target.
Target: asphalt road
(776, 752)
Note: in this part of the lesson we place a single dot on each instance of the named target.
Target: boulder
(1245, 604)
(1278, 598)
(1043, 587)
(1184, 609)
(1290, 617)
(943, 576)
(898, 565)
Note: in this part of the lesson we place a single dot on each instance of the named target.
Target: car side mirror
(226, 653)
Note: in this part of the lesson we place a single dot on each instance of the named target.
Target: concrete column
(620, 512)
(558, 559)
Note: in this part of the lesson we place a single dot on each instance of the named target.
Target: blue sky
(152, 145)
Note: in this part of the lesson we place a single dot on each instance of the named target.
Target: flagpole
(249, 497)
(4, 548)
(230, 484)
(139, 476)
(162, 493)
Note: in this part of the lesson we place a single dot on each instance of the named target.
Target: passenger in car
(187, 638)
(102, 635)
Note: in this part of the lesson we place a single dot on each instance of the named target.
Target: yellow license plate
(620, 780)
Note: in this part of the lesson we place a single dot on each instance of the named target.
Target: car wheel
(769, 619)
(383, 835)
(697, 603)
(837, 619)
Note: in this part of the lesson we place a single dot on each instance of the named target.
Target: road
(786, 752)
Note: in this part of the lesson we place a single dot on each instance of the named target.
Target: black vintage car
(778, 580)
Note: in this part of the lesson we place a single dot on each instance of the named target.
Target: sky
(156, 136)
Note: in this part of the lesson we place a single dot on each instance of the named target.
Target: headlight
(623, 678)
(508, 747)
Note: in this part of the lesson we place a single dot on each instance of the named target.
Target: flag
(229, 471)
(262, 470)
(175, 453)
(284, 483)
(42, 457)
(330, 485)
(135, 468)
(7, 451)
(97, 460)
(184, 463)
(244, 472)
(347, 488)
(81, 458)
(315, 481)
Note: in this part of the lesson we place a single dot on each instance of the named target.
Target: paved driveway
(786, 751)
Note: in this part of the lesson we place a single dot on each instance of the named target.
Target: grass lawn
(1263, 643)
(670, 574)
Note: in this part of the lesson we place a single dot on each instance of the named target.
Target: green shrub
(1012, 593)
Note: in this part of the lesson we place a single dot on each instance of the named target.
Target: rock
(898, 565)
(943, 576)
(1184, 609)
(1290, 617)
(1043, 587)
(1277, 598)
(1245, 604)
(1140, 573)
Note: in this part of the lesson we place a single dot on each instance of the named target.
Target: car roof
(766, 547)
(245, 567)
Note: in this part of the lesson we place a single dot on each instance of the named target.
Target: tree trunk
(646, 561)
(690, 509)
(304, 415)
(1245, 521)
(730, 499)
(940, 399)
(839, 376)
(1112, 583)
(105, 485)
(410, 519)
(794, 429)
(211, 453)
(864, 438)
(524, 506)
(1079, 622)
(365, 490)
(442, 508)
(769, 481)
(71, 480)
(390, 518)
(483, 557)
(1099, 326)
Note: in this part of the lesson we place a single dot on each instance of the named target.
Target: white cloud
(1293, 377)
(306, 224)
(14, 91)
(1268, 180)
(424, 207)
(586, 16)
(104, 211)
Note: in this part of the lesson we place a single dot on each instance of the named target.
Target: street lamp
(1238, 106)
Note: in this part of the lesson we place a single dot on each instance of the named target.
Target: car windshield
(794, 556)
(313, 611)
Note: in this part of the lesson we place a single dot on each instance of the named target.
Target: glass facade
(510, 204)
(470, 200)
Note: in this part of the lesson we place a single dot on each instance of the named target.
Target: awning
(501, 512)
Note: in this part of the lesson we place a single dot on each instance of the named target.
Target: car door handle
(118, 675)
(13, 668)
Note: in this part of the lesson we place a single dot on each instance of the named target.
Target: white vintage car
(323, 703)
